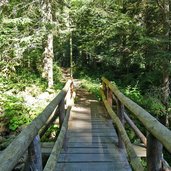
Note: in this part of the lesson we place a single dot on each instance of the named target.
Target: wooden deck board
(95, 166)
(79, 134)
(90, 150)
(91, 140)
(97, 157)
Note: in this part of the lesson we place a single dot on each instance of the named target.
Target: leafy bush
(150, 101)
(15, 112)
(133, 93)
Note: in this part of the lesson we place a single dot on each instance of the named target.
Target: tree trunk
(48, 61)
(48, 52)
(166, 75)
(71, 57)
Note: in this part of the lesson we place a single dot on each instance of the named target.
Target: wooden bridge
(92, 135)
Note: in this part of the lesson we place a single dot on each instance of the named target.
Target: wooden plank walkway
(91, 140)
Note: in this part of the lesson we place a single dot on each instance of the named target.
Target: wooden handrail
(10, 156)
(134, 160)
(54, 156)
(158, 130)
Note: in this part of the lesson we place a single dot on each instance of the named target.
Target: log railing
(28, 140)
(111, 95)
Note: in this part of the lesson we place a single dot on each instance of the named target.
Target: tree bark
(48, 61)
(48, 52)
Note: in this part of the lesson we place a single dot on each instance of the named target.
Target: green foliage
(15, 113)
(131, 133)
(92, 86)
(50, 134)
(150, 101)
(89, 80)
(57, 74)
(106, 33)
(22, 80)
(133, 93)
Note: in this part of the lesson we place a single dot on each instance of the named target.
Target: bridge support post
(34, 160)
(109, 97)
(61, 112)
(120, 112)
(154, 153)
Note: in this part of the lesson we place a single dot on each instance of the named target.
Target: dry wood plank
(93, 122)
(46, 148)
(78, 134)
(88, 126)
(94, 130)
(91, 150)
(140, 150)
(101, 157)
(83, 150)
(95, 139)
(47, 144)
(95, 166)
(88, 145)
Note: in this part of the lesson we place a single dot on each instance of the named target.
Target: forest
(127, 41)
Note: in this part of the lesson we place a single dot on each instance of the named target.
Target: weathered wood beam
(35, 155)
(51, 119)
(154, 153)
(61, 112)
(135, 129)
(52, 161)
(10, 156)
(158, 130)
(120, 114)
(134, 160)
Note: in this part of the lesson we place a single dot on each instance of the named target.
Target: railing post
(34, 161)
(109, 96)
(105, 89)
(120, 112)
(103, 86)
(71, 89)
(61, 112)
(154, 153)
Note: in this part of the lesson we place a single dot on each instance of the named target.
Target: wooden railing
(112, 96)
(28, 140)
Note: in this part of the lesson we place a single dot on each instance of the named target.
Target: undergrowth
(92, 86)
(23, 95)
(89, 81)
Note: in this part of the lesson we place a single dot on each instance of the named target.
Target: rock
(29, 100)
(43, 96)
